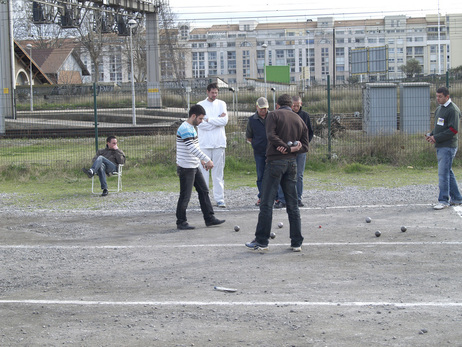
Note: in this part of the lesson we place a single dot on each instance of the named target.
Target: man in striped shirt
(188, 158)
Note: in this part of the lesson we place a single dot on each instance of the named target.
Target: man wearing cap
(256, 135)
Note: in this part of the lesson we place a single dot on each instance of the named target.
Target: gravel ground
(237, 199)
(117, 272)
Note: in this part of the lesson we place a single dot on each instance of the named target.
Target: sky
(205, 13)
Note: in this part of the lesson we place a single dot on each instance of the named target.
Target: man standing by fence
(256, 135)
(212, 140)
(445, 137)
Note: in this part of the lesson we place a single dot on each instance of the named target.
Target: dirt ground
(130, 278)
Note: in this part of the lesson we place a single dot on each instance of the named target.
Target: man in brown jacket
(287, 136)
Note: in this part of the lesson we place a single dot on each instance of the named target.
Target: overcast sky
(205, 13)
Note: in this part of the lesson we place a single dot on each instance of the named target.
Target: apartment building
(315, 49)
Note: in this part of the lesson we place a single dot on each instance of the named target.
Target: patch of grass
(356, 168)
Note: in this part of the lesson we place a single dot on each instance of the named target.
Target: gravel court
(83, 279)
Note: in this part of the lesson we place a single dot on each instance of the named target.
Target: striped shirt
(188, 152)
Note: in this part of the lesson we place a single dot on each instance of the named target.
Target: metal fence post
(95, 110)
(329, 137)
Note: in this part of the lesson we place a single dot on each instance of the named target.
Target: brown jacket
(284, 125)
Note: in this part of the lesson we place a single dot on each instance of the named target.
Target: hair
(443, 90)
(285, 100)
(197, 110)
(296, 98)
(110, 138)
(212, 86)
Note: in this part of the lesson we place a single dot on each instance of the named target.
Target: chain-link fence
(372, 123)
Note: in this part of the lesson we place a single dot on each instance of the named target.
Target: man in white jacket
(212, 140)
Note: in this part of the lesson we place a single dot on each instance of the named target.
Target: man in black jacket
(256, 135)
(282, 126)
(105, 162)
(301, 157)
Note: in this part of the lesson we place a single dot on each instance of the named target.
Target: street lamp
(265, 46)
(132, 24)
(29, 47)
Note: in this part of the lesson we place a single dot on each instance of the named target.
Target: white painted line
(230, 245)
(197, 209)
(230, 303)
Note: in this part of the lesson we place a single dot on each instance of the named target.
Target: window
(115, 67)
(198, 64)
(280, 57)
(213, 63)
(246, 63)
(418, 50)
(325, 61)
(231, 62)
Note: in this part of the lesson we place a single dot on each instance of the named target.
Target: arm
(119, 156)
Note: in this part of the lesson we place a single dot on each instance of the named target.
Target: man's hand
(207, 165)
(222, 115)
(430, 139)
(282, 149)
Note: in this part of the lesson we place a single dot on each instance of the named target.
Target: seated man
(105, 162)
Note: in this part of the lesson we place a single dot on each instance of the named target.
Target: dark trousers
(283, 172)
(190, 178)
(260, 163)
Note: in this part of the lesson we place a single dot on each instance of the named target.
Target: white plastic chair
(119, 181)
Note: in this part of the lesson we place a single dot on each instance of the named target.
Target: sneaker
(185, 226)
(440, 206)
(215, 222)
(296, 249)
(221, 204)
(88, 172)
(300, 203)
(258, 202)
(256, 246)
(105, 192)
(279, 204)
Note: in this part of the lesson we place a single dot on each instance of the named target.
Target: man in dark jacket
(105, 162)
(256, 135)
(301, 157)
(282, 126)
(445, 137)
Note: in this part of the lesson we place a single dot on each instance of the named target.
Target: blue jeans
(103, 166)
(190, 178)
(301, 160)
(449, 191)
(281, 172)
(260, 162)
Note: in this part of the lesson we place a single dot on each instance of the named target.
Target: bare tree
(171, 51)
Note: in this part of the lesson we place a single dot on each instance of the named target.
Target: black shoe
(214, 221)
(88, 172)
(105, 192)
(279, 204)
(185, 226)
(300, 203)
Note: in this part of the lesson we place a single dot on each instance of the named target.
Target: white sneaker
(440, 206)
(296, 249)
(221, 204)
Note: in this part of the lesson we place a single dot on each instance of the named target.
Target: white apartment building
(237, 52)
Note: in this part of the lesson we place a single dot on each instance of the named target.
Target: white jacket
(212, 132)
